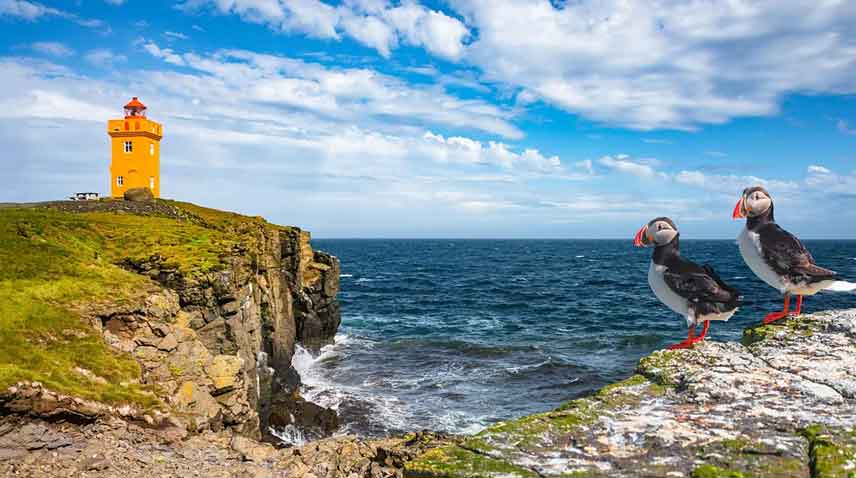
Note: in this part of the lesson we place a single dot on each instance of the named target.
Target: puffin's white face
(754, 202)
(658, 232)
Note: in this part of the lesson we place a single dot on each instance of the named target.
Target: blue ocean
(454, 335)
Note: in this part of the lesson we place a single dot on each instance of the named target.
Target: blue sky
(459, 118)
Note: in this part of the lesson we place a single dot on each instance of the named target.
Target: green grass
(56, 266)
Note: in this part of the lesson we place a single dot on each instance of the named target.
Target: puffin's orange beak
(641, 239)
(738, 210)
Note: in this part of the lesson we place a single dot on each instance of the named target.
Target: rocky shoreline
(780, 404)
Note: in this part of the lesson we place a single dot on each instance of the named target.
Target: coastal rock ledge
(780, 404)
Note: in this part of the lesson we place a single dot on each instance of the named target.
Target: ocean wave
(522, 368)
(346, 275)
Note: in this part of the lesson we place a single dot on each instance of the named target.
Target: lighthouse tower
(135, 150)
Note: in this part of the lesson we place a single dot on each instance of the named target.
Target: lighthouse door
(134, 180)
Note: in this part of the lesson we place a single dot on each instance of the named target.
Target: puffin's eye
(659, 227)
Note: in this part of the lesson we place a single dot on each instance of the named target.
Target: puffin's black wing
(700, 285)
(787, 255)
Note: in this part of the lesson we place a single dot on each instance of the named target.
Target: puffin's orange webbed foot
(690, 341)
(786, 310)
(686, 344)
(770, 318)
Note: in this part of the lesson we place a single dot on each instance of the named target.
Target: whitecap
(520, 368)
(289, 435)
(579, 257)
(346, 275)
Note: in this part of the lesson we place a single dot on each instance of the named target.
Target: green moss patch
(711, 471)
(791, 327)
(455, 462)
(832, 453)
(661, 366)
(746, 457)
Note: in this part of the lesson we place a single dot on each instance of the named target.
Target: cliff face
(217, 305)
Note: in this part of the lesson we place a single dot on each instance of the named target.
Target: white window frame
(120, 181)
(129, 147)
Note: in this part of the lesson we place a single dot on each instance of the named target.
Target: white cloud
(370, 31)
(32, 11)
(175, 35)
(824, 179)
(466, 150)
(26, 10)
(52, 48)
(437, 32)
(104, 58)
(166, 54)
(623, 163)
(664, 64)
(381, 25)
(815, 169)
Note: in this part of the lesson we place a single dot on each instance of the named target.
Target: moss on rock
(832, 453)
(711, 471)
(454, 461)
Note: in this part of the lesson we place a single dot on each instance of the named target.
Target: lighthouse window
(151, 150)
(129, 146)
(120, 181)
(152, 183)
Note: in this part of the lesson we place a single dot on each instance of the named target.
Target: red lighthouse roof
(135, 109)
(135, 103)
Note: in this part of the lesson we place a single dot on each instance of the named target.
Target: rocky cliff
(163, 313)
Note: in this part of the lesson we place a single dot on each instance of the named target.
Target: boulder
(313, 420)
(139, 195)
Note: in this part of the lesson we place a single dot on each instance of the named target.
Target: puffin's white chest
(750, 248)
(665, 293)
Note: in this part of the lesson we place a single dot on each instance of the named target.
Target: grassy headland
(56, 264)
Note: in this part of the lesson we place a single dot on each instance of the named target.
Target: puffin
(777, 257)
(693, 291)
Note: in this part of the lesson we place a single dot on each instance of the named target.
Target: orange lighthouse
(135, 149)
